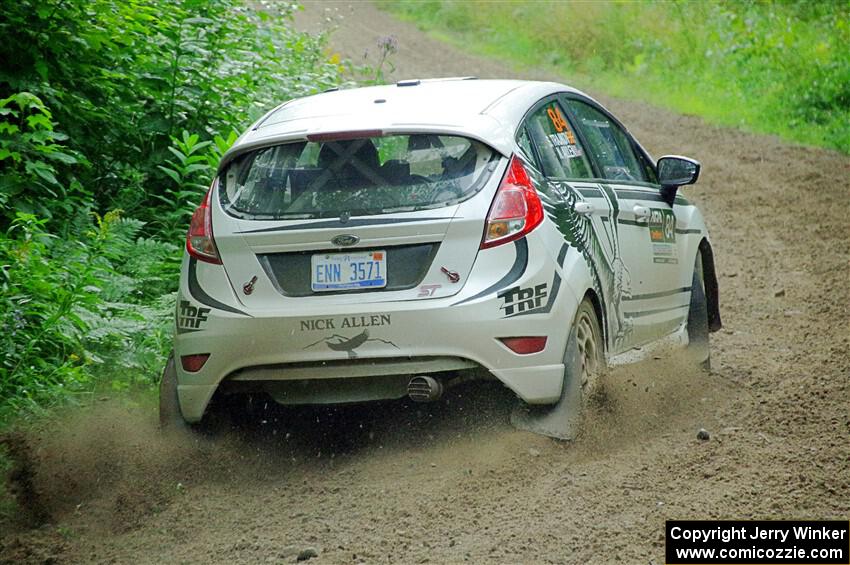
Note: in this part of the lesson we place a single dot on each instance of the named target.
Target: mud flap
(562, 419)
(170, 417)
(698, 319)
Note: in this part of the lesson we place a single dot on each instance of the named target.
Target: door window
(559, 149)
(609, 144)
(527, 150)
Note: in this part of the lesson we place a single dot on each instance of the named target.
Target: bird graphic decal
(348, 344)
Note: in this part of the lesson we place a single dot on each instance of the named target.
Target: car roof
(487, 110)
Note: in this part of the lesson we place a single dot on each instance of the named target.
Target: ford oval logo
(346, 240)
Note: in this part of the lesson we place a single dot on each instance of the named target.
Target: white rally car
(391, 241)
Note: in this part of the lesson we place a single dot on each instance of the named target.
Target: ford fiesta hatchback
(391, 241)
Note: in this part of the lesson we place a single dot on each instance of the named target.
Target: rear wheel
(584, 362)
(698, 341)
(583, 358)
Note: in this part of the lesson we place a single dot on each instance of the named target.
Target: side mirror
(675, 171)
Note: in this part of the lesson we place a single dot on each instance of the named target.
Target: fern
(78, 311)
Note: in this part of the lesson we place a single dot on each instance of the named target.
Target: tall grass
(774, 67)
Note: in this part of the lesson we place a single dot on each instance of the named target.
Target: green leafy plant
(123, 77)
(69, 306)
(30, 152)
(219, 147)
(190, 170)
(114, 115)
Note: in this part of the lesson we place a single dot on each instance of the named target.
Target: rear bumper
(377, 339)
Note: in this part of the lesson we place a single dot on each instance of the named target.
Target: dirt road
(453, 482)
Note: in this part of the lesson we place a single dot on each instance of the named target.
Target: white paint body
(266, 337)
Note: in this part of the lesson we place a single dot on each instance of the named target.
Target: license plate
(348, 271)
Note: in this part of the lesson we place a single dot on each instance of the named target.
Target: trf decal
(190, 318)
(520, 300)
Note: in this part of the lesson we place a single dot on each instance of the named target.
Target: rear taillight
(525, 345)
(516, 209)
(194, 363)
(199, 241)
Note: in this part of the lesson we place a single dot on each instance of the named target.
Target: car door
(577, 204)
(654, 294)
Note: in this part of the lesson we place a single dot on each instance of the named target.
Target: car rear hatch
(353, 218)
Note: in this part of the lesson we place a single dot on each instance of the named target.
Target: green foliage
(72, 305)
(124, 76)
(188, 169)
(191, 170)
(772, 66)
(121, 108)
(182, 170)
(30, 152)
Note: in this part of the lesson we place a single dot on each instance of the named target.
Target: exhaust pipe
(422, 388)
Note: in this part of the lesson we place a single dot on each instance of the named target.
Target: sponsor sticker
(563, 140)
(662, 225)
(520, 300)
(346, 322)
(344, 341)
(662, 233)
(190, 318)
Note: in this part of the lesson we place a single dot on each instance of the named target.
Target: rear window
(374, 175)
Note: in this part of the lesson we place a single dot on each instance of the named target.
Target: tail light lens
(199, 241)
(525, 345)
(516, 209)
(194, 363)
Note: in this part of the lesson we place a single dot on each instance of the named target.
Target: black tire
(698, 341)
(584, 362)
(170, 416)
(584, 358)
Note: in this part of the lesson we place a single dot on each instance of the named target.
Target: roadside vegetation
(113, 114)
(780, 67)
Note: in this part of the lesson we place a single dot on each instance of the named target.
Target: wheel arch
(709, 274)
